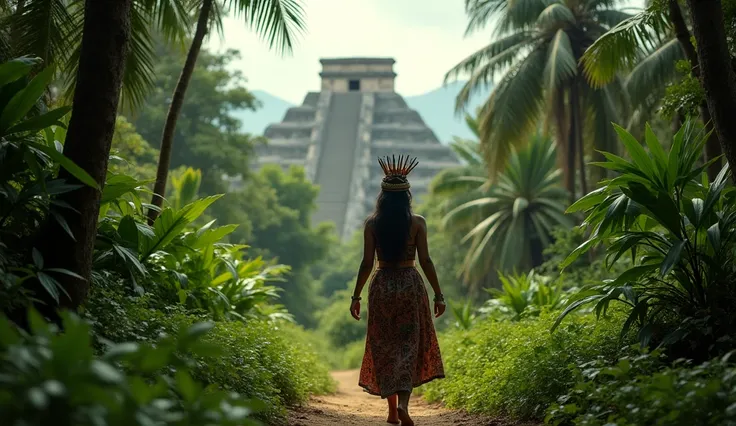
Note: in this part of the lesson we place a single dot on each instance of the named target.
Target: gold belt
(396, 265)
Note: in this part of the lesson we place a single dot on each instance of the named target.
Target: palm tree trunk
(717, 75)
(177, 101)
(712, 145)
(576, 122)
(105, 37)
(572, 140)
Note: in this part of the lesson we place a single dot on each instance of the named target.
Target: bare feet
(404, 417)
(393, 415)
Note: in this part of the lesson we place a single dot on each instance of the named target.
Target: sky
(425, 37)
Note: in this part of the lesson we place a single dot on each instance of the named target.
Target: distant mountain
(272, 110)
(437, 108)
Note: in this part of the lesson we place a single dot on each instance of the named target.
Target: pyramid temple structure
(338, 133)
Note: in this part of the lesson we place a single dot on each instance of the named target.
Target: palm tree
(275, 20)
(508, 221)
(103, 52)
(650, 43)
(537, 49)
(52, 31)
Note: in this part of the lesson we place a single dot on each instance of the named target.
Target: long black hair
(392, 222)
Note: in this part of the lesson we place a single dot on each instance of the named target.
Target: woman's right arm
(428, 266)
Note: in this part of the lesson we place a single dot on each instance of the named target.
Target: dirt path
(351, 406)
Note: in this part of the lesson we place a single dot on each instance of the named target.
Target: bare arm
(366, 265)
(424, 260)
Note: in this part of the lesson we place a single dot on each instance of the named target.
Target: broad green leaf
(637, 152)
(16, 68)
(25, 99)
(582, 248)
(67, 164)
(172, 223)
(186, 386)
(655, 148)
(106, 373)
(128, 231)
(118, 185)
(673, 256)
(714, 236)
(588, 201)
(42, 122)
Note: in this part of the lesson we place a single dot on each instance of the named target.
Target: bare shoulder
(419, 221)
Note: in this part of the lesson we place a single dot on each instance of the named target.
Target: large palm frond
(509, 14)
(513, 109)
(485, 63)
(41, 28)
(620, 48)
(52, 30)
(524, 205)
(654, 72)
(278, 22)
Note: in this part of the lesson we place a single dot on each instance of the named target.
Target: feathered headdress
(396, 172)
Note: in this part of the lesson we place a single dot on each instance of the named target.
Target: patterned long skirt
(401, 349)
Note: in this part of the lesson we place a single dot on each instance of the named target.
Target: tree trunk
(105, 37)
(576, 133)
(177, 101)
(572, 137)
(712, 145)
(717, 75)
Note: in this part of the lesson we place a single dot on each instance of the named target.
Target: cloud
(426, 37)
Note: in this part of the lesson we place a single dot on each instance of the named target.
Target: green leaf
(582, 248)
(128, 231)
(121, 350)
(171, 223)
(25, 99)
(633, 274)
(36, 124)
(67, 164)
(106, 373)
(37, 258)
(199, 329)
(714, 236)
(655, 148)
(50, 285)
(186, 386)
(638, 155)
(16, 68)
(588, 201)
(673, 256)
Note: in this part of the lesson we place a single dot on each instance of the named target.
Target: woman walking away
(401, 349)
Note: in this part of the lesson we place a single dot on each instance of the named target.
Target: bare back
(417, 231)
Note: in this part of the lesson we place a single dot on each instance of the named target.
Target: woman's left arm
(366, 267)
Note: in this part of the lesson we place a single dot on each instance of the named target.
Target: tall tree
(52, 31)
(275, 20)
(716, 70)
(538, 46)
(104, 49)
(208, 133)
(644, 43)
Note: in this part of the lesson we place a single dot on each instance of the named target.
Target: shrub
(336, 323)
(264, 360)
(524, 295)
(637, 391)
(680, 230)
(518, 368)
(54, 378)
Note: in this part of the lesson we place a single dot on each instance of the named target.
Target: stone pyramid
(338, 133)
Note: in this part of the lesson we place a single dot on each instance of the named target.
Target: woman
(401, 349)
